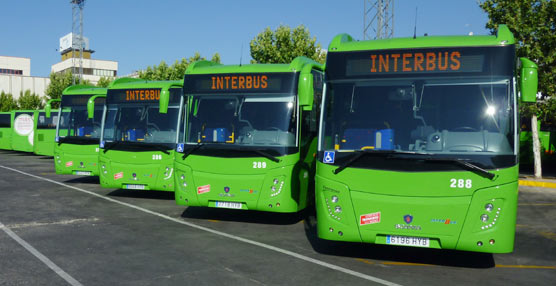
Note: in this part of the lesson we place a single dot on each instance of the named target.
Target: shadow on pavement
(243, 216)
(400, 254)
(84, 180)
(156, 195)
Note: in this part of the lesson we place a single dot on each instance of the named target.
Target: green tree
(104, 81)
(533, 24)
(175, 71)
(7, 102)
(59, 82)
(28, 100)
(285, 44)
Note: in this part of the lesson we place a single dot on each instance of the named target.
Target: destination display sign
(241, 83)
(140, 95)
(412, 62)
(79, 100)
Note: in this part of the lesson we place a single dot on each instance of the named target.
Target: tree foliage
(533, 24)
(104, 81)
(28, 100)
(284, 45)
(175, 71)
(7, 102)
(59, 82)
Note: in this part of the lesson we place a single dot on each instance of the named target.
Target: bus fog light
(275, 181)
(489, 207)
(491, 241)
(331, 229)
(338, 209)
(334, 199)
(484, 218)
(479, 243)
(105, 171)
(340, 233)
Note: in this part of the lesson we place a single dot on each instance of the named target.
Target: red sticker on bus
(203, 189)
(118, 175)
(369, 218)
(69, 164)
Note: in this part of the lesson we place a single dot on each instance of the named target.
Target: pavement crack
(61, 222)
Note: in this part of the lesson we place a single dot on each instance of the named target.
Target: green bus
(139, 132)
(419, 141)
(45, 133)
(6, 121)
(23, 128)
(248, 136)
(547, 140)
(77, 135)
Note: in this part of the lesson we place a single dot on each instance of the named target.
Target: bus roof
(126, 83)
(83, 89)
(207, 67)
(345, 43)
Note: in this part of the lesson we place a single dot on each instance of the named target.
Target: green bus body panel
(23, 141)
(76, 159)
(67, 156)
(44, 140)
(374, 204)
(246, 183)
(152, 172)
(6, 134)
(450, 217)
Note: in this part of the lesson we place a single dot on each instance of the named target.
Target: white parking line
(219, 233)
(40, 256)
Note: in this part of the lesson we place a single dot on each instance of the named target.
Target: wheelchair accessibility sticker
(180, 148)
(329, 157)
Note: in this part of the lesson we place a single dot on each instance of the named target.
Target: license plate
(408, 240)
(228, 205)
(83, 173)
(134, 187)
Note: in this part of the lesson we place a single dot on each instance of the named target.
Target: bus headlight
(489, 207)
(338, 209)
(484, 218)
(334, 199)
(275, 181)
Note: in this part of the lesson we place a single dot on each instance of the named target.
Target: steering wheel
(466, 129)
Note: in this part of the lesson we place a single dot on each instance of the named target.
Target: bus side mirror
(528, 81)
(305, 91)
(48, 107)
(164, 100)
(91, 105)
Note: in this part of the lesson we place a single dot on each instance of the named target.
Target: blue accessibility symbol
(101, 145)
(57, 139)
(179, 149)
(329, 157)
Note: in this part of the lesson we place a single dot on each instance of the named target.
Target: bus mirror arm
(48, 107)
(164, 100)
(91, 105)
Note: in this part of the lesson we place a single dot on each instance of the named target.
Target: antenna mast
(378, 19)
(77, 34)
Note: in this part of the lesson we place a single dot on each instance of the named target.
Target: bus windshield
(75, 124)
(47, 122)
(140, 123)
(456, 116)
(247, 120)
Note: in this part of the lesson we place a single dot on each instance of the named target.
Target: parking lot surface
(67, 230)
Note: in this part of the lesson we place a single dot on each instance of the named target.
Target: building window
(10, 71)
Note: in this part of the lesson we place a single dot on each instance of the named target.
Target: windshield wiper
(110, 145)
(190, 150)
(361, 153)
(158, 146)
(463, 163)
(264, 154)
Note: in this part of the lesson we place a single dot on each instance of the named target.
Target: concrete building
(15, 77)
(93, 69)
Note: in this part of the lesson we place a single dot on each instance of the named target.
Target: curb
(540, 184)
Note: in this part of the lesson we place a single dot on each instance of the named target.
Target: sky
(142, 33)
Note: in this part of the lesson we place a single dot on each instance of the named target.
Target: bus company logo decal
(69, 164)
(250, 191)
(371, 218)
(203, 189)
(408, 218)
(444, 221)
(118, 176)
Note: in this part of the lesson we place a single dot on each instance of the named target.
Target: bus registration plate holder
(82, 173)
(228, 205)
(134, 187)
(408, 241)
